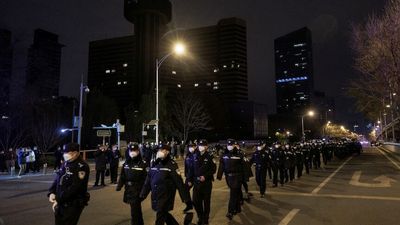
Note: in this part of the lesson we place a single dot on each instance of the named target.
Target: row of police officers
(68, 193)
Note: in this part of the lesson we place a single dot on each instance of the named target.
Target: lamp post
(72, 132)
(86, 89)
(179, 49)
(309, 113)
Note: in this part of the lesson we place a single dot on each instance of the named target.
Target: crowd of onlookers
(24, 159)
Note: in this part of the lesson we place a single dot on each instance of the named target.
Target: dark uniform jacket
(113, 157)
(260, 158)
(70, 185)
(133, 175)
(162, 180)
(203, 165)
(189, 167)
(100, 159)
(232, 164)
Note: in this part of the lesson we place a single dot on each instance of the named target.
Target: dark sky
(80, 21)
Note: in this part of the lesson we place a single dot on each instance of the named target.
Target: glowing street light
(310, 114)
(179, 49)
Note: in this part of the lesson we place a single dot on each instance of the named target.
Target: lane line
(289, 217)
(391, 160)
(321, 185)
(299, 194)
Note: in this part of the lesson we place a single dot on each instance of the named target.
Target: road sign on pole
(103, 133)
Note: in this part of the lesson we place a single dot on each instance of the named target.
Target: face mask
(67, 157)
(191, 149)
(133, 154)
(160, 155)
(287, 146)
(276, 146)
(259, 148)
(230, 147)
(202, 149)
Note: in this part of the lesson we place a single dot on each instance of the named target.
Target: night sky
(77, 22)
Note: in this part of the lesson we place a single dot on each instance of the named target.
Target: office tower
(150, 18)
(6, 54)
(216, 61)
(111, 69)
(43, 66)
(294, 71)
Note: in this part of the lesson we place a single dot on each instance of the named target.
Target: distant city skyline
(329, 21)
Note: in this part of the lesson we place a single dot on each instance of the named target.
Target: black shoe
(229, 216)
(95, 185)
(275, 185)
(262, 196)
(103, 185)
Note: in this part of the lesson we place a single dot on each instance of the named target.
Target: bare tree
(190, 115)
(13, 129)
(376, 45)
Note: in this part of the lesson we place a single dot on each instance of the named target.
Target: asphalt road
(358, 190)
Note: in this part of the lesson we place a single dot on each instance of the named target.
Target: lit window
(125, 82)
(173, 72)
(119, 83)
(215, 70)
(285, 72)
(179, 85)
(208, 84)
(224, 66)
(215, 83)
(125, 65)
(113, 71)
(238, 65)
(299, 45)
(296, 64)
(215, 87)
(281, 56)
(108, 71)
(196, 84)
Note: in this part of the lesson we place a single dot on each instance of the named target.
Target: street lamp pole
(179, 49)
(303, 136)
(82, 88)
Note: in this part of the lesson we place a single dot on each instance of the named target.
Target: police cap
(71, 147)
(164, 146)
(203, 142)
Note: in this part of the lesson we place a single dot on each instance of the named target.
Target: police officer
(261, 160)
(68, 193)
(101, 161)
(113, 158)
(162, 180)
(232, 165)
(299, 160)
(133, 175)
(203, 169)
(275, 162)
(189, 165)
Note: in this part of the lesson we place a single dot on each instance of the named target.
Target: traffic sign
(104, 133)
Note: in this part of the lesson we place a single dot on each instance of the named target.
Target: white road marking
(365, 197)
(391, 160)
(384, 181)
(321, 185)
(289, 217)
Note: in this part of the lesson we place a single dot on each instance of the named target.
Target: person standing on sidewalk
(22, 161)
(101, 161)
(133, 175)
(68, 193)
(10, 161)
(114, 156)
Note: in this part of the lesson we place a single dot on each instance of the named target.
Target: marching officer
(133, 175)
(275, 161)
(299, 160)
(203, 169)
(68, 193)
(232, 165)
(261, 160)
(113, 157)
(162, 180)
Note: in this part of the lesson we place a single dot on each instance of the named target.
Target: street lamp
(179, 49)
(83, 88)
(310, 114)
(71, 130)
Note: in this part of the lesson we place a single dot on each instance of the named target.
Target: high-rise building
(294, 71)
(216, 61)
(150, 18)
(43, 66)
(6, 54)
(111, 69)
